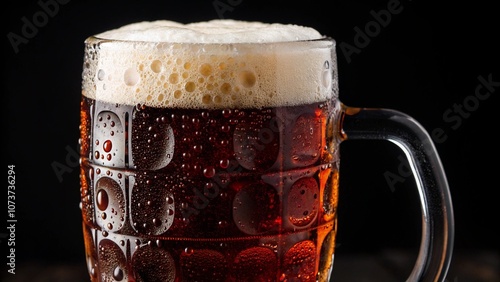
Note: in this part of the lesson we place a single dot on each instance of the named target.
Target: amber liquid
(208, 195)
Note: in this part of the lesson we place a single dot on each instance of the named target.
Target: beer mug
(210, 152)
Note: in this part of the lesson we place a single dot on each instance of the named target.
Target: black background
(424, 62)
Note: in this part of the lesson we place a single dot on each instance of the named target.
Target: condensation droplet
(107, 146)
(118, 274)
(170, 200)
(224, 163)
(188, 250)
(102, 200)
(156, 222)
(101, 74)
(326, 77)
(209, 172)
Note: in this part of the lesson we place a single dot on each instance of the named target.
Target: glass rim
(93, 39)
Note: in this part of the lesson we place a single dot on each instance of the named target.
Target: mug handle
(437, 212)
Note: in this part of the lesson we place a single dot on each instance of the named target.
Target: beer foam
(214, 31)
(211, 64)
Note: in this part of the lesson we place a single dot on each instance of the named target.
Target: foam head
(212, 64)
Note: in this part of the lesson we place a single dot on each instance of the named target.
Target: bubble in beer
(153, 264)
(131, 77)
(303, 202)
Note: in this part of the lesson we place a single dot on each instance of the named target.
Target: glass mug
(222, 162)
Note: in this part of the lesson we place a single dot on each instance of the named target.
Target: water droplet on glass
(209, 172)
(118, 274)
(101, 74)
(102, 200)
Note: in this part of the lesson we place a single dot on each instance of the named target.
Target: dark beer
(213, 192)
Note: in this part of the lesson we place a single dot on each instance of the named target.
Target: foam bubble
(213, 64)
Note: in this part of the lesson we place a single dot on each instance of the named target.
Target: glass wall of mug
(209, 162)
